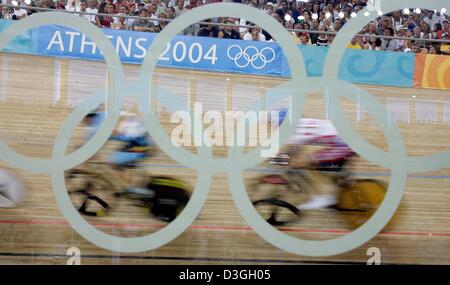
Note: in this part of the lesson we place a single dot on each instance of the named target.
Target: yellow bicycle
(358, 199)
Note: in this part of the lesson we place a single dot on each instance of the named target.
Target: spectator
(296, 10)
(120, 22)
(179, 8)
(162, 24)
(397, 19)
(445, 28)
(193, 4)
(170, 12)
(61, 5)
(400, 43)
(236, 21)
(328, 25)
(411, 23)
(337, 25)
(268, 8)
(445, 47)
(282, 9)
(425, 31)
(388, 44)
(83, 6)
(415, 48)
(330, 39)
(322, 39)
(143, 25)
(243, 30)
(72, 6)
(431, 19)
(314, 27)
(47, 4)
(432, 50)
(160, 7)
(372, 28)
(119, 4)
(228, 32)
(92, 9)
(315, 9)
(131, 11)
(289, 25)
(151, 9)
(123, 10)
(354, 44)
(277, 17)
(254, 34)
(384, 24)
(424, 51)
(373, 44)
(194, 28)
(297, 35)
(438, 31)
(19, 13)
(313, 15)
(140, 7)
(209, 30)
(304, 39)
(106, 21)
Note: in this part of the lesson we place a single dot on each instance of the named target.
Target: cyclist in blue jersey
(137, 143)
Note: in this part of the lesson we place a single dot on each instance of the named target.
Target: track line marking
(218, 228)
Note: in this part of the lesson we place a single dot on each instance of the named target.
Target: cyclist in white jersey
(317, 146)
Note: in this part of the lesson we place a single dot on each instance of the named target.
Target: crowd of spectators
(311, 15)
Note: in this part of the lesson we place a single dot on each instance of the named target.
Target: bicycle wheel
(270, 196)
(89, 192)
(360, 200)
(171, 197)
(277, 212)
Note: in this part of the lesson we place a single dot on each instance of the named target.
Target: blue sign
(218, 55)
(21, 43)
(378, 67)
(183, 51)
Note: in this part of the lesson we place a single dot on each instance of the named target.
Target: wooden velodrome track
(38, 93)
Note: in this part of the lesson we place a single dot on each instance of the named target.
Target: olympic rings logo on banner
(250, 59)
(203, 161)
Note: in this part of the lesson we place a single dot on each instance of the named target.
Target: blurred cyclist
(317, 147)
(137, 143)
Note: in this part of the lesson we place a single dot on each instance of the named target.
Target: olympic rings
(115, 69)
(205, 168)
(250, 59)
(331, 69)
(360, 235)
(298, 72)
(205, 165)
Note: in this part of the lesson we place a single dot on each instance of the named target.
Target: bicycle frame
(299, 178)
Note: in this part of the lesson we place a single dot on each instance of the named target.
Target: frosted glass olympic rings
(205, 164)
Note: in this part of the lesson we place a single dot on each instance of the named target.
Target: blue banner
(218, 55)
(362, 66)
(21, 43)
(378, 67)
(183, 51)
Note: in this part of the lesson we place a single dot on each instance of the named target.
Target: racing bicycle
(94, 187)
(357, 199)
